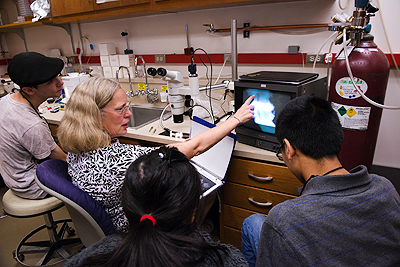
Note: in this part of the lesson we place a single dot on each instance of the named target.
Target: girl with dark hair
(160, 195)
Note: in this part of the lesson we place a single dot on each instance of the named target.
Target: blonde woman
(97, 113)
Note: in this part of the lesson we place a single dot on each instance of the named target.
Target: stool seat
(22, 207)
(49, 251)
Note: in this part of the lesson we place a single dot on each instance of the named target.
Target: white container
(127, 60)
(107, 71)
(69, 84)
(114, 60)
(114, 73)
(107, 49)
(105, 61)
(83, 77)
(72, 80)
(96, 71)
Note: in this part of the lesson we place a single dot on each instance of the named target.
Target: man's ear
(290, 151)
(29, 90)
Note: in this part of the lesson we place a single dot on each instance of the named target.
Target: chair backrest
(90, 220)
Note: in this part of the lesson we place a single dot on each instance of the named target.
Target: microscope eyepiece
(152, 71)
(162, 72)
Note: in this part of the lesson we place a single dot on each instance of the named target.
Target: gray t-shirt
(25, 138)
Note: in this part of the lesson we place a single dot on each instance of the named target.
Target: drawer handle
(267, 204)
(262, 179)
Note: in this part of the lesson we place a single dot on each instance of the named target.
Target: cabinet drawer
(263, 175)
(241, 195)
(232, 236)
(234, 217)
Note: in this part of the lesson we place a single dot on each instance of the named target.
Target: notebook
(212, 164)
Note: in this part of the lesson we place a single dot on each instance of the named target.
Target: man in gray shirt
(341, 218)
(25, 137)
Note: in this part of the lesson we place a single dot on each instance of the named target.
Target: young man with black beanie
(25, 137)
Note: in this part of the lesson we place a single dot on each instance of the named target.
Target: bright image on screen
(267, 105)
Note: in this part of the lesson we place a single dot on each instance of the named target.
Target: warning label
(352, 117)
(344, 87)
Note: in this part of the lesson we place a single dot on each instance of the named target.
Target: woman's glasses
(121, 110)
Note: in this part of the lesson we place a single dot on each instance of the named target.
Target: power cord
(211, 72)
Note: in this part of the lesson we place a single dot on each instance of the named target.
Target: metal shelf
(26, 24)
(18, 28)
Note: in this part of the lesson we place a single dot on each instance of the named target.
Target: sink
(142, 116)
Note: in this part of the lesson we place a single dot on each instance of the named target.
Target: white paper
(212, 164)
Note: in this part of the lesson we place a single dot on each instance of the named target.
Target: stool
(24, 208)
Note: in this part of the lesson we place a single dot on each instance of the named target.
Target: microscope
(179, 96)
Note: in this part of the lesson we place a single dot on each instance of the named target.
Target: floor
(12, 230)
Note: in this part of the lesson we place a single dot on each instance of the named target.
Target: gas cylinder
(360, 120)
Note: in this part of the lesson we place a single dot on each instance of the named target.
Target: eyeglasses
(279, 152)
(121, 110)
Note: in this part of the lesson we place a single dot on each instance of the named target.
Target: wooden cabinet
(119, 3)
(70, 7)
(252, 187)
(76, 10)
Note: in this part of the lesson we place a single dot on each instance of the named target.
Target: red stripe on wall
(243, 58)
(396, 57)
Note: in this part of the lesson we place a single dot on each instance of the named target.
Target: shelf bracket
(67, 27)
(20, 32)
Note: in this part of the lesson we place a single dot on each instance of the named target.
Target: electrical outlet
(246, 34)
(71, 59)
(311, 58)
(159, 58)
(227, 58)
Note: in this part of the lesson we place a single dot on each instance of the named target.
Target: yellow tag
(141, 86)
(351, 112)
(164, 88)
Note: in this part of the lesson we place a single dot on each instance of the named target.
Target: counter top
(145, 134)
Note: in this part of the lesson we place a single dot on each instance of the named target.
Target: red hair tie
(149, 217)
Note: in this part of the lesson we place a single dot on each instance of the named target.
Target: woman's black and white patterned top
(101, 173)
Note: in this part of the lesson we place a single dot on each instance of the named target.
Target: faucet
(130, 93)
(152, 95)
(144, 70)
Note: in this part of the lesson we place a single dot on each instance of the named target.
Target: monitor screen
(267, 105)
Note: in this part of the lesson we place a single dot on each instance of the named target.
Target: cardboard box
(114, 72)
(125, 72)
(105, 61)
(114, 60)
(107, 49)
(127, 60)
(108, 73)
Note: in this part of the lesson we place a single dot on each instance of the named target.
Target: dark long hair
(165, 185)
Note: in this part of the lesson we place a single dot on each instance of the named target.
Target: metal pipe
(214, 86)
(144, 69)
(234, 54)
(130, 93)
(269, 28)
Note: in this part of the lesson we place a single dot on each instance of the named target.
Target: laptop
(212, 164)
